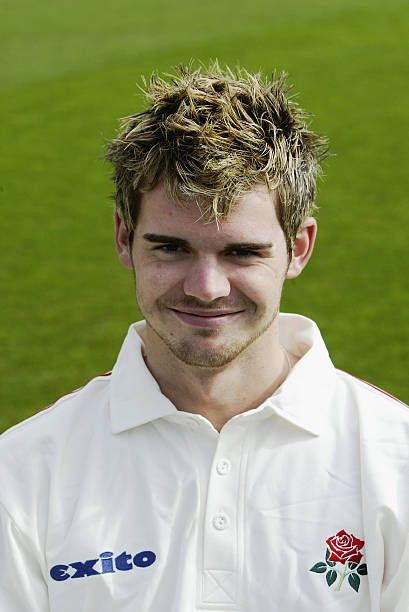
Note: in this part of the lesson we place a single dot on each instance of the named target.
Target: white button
(220, 522)
(223, 467)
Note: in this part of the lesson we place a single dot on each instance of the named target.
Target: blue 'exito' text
(106, 563)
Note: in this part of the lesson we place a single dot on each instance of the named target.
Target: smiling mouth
(207, 313)
(208, 318)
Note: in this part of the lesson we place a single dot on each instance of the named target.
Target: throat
(220, 394)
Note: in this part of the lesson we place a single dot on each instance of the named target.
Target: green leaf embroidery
(362, 569)
(354, 580)
(319, 568)
(352, 565)
(331, 577)
(327, 556)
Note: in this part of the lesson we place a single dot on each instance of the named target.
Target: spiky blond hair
(211, 135)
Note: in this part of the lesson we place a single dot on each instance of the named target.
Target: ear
(303, 246)
(122, 242)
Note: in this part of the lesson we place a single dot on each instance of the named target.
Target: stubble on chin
(189, 354)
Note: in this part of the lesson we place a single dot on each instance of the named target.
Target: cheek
(155, 279)
(260, 283)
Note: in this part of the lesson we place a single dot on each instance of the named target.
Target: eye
(168, 249)
(244, 253)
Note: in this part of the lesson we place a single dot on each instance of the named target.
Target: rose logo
(344, 549)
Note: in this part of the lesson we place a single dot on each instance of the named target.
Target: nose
(206, 280)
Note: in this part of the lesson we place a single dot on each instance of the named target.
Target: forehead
(253, 216)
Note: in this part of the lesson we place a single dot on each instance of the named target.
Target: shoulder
(37, 454)
(70, 412)
(371, 393)
(381, 415)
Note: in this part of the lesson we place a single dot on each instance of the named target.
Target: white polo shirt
(113, 500)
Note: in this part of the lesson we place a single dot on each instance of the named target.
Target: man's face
(208, 291)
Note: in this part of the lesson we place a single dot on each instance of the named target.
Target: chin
(211, 360)
(214, 355)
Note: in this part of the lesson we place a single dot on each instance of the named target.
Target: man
(224, 464)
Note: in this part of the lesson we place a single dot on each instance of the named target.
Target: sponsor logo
(106, 563)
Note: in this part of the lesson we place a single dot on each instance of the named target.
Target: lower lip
(198, 321)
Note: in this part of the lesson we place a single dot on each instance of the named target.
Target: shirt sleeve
(395, 596)
(22, 584)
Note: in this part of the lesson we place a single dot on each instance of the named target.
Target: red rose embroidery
(345, 547)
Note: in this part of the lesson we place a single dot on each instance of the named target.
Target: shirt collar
(135, 396)
(303, 398)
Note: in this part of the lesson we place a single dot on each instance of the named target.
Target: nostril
(207, 281)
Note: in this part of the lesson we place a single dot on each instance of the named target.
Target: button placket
(222, 546)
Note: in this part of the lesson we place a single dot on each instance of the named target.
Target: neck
(218, 394)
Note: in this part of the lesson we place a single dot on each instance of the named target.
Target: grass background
(69, 70)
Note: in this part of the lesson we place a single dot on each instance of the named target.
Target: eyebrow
(161, 238)
(250, 246)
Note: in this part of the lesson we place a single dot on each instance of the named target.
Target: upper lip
(205, 313)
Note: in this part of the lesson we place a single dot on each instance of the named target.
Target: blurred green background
(70, 69)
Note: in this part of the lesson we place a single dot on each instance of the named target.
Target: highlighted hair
(212, 135)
